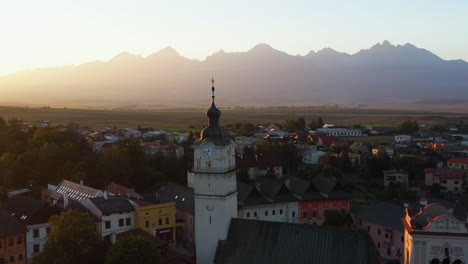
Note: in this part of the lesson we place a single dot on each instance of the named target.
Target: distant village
(407, 190)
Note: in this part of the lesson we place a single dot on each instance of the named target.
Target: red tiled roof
(116, 189)
(458, 160)
(446, 173)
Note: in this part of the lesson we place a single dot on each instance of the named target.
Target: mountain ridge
(261, 75)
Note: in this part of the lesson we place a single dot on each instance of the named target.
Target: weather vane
(212, 88)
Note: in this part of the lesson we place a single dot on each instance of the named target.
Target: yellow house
(157, 219)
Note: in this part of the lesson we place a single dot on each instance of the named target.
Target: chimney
(105, 195)
(81, 184)
(256, 157)
(65, 200)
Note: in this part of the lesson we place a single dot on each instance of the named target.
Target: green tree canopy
(73, 239)
(408, 127)
(133, 250)
(334, 218)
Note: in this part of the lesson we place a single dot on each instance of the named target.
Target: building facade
(157, 219)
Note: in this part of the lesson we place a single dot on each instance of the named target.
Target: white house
(311, 156)
(340, 132)
(34, 214)
(402, 139)
(130, 133)
(115, 211)
(434, 235)
(99, 142)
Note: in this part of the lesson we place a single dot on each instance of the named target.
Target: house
(359, 147)
(266, 199)
(402, 139)
(130, 133)
(322, 140)
(259, 165)
(438, 147)
(434, 235)
(74, 191)
(254, 241)
(395, 176)
(458, 163)
(270, 126)
(310, 157)
(99, 142)
(158, 220)
(316, 197)
(383, 223)
(450, 180)
(12, 239)
(381, 148)
(115, 212)
(340, 132)
(117, 189)
(355, 159)
(183, 197)
(34, 214)
(172, 150)
(242, 142)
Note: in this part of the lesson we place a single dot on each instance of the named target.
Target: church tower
(214, 182)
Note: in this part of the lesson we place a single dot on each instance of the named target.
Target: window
(386, 235)
(210, 219)
(314, 213)
(36, 248)
(108, 224)
(456, 188)
(248, 214)
(255, 214)
(20, 257)
(128, 221)
(11, 242)
(266, 213)
(389, 251)
(378, 244)
(378, 232)
(147, 223)
(19, 240)
(121, 222)
(281, 211)
(167, 220)
(304, 215)
(48, 230)
(36, 233)
(160, 221)
(402, 239)
(1, 243)
(360, 222)
(368, 228)
(456, 182)
(293, 214)
(12, 259)
(273, 212)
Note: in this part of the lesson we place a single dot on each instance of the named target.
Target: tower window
(273, 212)
(255, 214)
(248, 214)
(266, 213)
(210, 220)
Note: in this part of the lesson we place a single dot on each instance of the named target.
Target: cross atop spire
(212, 88)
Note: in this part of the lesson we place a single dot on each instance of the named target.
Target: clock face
(209, 207)
(208, 151)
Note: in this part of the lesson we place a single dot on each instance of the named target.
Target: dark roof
(75, 205)
(9, 225)
(297, 186)
(258, 161)
(140, 232)
(457, 208)
(28, 210)
(253, 241)
(387, 214)
(183, 196)
(113, 204)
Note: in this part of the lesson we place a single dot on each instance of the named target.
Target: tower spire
(212, 88)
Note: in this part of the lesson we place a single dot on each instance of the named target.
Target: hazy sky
(61, 32)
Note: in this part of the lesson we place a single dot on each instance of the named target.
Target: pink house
(383, 222)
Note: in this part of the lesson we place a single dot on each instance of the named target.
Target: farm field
(194, 118)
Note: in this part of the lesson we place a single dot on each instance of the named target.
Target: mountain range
(382, 74)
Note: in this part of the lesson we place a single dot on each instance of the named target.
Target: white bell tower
(214, 183)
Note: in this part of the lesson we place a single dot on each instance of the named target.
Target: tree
(320, 122)
(133, 250)
(73, 239)
(334, 218)
(290, 125)
(313, 124)
(300, 124)
(408, 127)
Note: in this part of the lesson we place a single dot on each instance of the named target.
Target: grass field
(175, 119)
